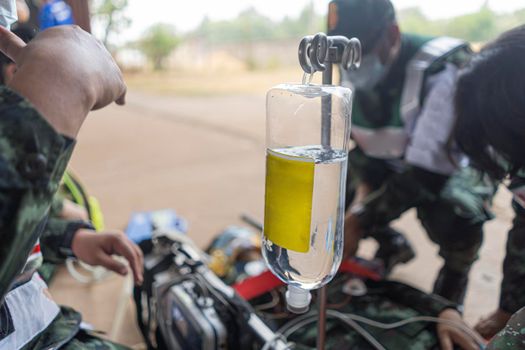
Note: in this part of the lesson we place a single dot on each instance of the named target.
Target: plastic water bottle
(307, 131)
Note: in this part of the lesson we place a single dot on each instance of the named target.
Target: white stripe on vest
(32, 311)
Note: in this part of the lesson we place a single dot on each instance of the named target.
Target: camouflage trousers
(65, 333)
(453, 216)
(512, 295)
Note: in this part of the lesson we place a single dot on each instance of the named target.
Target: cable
(272, 303)
(301, 321)
(351, 320)
(351, 323)
(270, 343)
(404, 322)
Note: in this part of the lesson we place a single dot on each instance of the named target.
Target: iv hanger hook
(318, 52)
(352, 55)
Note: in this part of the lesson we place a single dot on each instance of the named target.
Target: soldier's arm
(57, 238)
(64, 73)
(33, 157)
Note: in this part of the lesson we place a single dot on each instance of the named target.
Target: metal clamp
(315, 51)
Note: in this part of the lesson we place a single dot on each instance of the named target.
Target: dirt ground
(204, 157)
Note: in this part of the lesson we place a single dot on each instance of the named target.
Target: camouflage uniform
(451, 209)
(385, 301)
(451, 204)
(512, 337)
(33, 158)
(512, 295)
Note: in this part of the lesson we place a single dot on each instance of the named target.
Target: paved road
(204, 157)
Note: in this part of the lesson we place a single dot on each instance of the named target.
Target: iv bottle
(307, 134)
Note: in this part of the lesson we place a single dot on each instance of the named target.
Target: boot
(393, 249)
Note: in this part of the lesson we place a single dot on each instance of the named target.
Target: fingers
(124, 247)
(112, 264)
(445, 341)
(140, 260)
(122, 99)
(10, 44)
(464, 341)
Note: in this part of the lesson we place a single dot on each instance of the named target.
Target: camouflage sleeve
(512, 337)
(57, 204)
(33, 158)
(57, 237)
(512, 296)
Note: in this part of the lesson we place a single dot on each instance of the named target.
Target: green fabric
(385, 301)
(65, 333)
(33, 158)
(380, 107)
(512, 337)
(512, 294)
(47, 271)
(52, 239)
(452, 215)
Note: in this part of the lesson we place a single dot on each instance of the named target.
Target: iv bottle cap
(298, 299)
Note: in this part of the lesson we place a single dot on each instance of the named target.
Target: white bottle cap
(298, 299)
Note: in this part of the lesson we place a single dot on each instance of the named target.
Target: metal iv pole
(318, 54)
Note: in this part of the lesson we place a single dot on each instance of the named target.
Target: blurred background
(240, 38)
(192, 134)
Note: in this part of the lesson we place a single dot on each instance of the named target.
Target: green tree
(476, 27)
(111, 13)
(158, 42)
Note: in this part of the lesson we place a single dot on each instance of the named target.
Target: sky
(186, 15)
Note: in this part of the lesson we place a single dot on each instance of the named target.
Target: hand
(64, 72)
(492, 324)
(97, 248)
(353, 234)
(450, 335)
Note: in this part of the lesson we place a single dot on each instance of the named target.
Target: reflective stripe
(383, 143)
(32, 312)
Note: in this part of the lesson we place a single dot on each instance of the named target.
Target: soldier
(60, 77)
(490, 106)
(401, 122)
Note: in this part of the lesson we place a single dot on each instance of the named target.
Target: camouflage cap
(363, 19)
